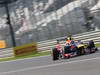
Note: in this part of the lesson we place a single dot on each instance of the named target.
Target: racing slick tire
(55, 54)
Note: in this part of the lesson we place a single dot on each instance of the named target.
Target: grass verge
(27, 56)
(98, 45)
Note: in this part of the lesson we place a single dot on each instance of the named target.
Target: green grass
(27, 56)
(97, 45)
(31, 55)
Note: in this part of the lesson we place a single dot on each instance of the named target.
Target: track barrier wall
(25, 49)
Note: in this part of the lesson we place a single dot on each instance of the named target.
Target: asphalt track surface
(82, 65)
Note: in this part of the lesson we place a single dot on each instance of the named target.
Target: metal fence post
(10, 25)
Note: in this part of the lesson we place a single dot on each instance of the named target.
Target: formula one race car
(72, 50)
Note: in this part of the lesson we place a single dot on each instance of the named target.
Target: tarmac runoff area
(83, 65)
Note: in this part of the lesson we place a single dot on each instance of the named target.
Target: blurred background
(39, 20)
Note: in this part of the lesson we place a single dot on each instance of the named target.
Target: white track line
(51, 65)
